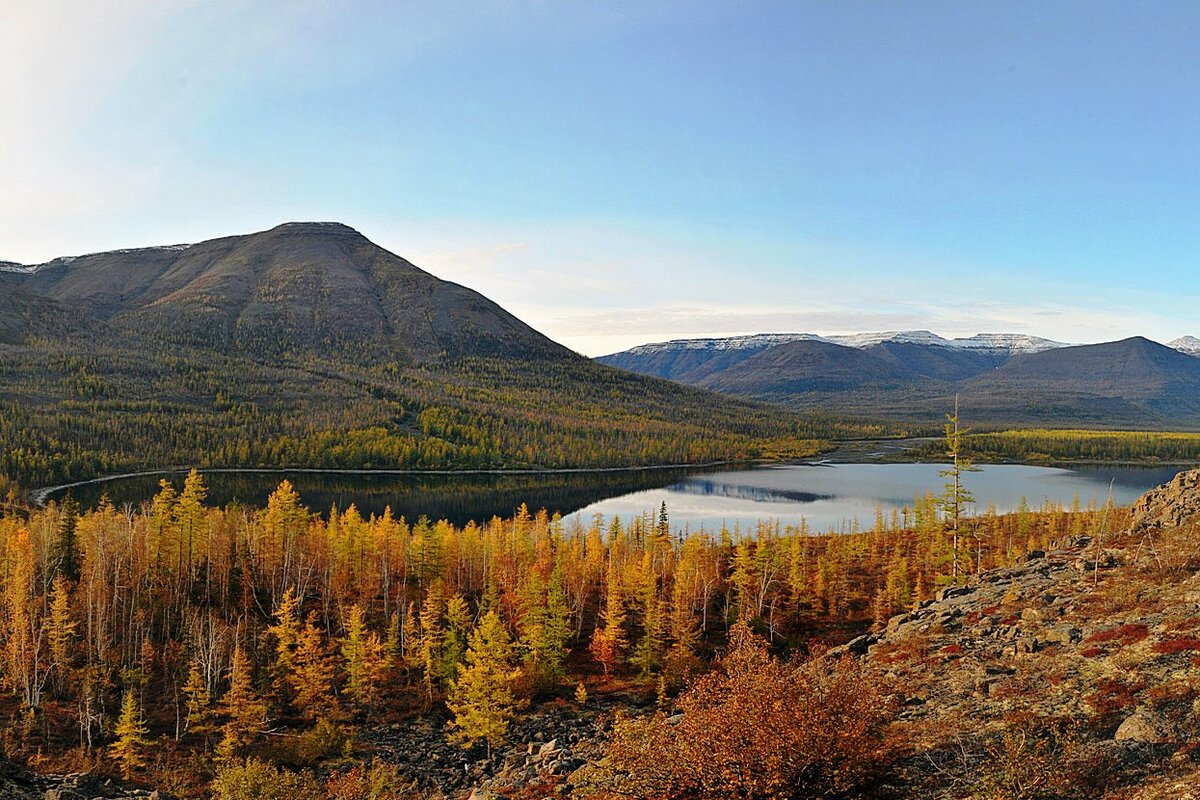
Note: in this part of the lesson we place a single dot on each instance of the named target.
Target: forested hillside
(309, 346)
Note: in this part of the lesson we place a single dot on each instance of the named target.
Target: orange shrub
(760, 728)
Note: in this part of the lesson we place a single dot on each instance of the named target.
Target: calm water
(833, 496)
(827, 497)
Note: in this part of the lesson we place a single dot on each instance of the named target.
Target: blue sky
(618, 172)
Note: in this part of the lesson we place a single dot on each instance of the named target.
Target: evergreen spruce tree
(64, 558)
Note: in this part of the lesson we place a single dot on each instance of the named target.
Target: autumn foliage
(758, 727)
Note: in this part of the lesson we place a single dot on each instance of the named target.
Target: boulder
(1063, 634)
(1148, 726)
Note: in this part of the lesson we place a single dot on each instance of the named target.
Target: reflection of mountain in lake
(741, 491)
(458, 498)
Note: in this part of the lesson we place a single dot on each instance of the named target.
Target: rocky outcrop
(544, 748)
(1170, 505)
(17, 783)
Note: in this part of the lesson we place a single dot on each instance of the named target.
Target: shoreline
(850, 451)
(40, 496)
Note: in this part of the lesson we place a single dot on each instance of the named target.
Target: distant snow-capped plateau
(1010, 343)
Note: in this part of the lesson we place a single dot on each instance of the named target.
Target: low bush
(1123, 635)
(1171, 646)
(760, 728)
(258, 780)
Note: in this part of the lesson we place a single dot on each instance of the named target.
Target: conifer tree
(286, 632)
(162, 521)
(64, 558)
(955, 496)
(608, 640)
(312, 679)
(243, 710)
(199, 702)
(432, 639)
(131, 737)
(455, 635)
(365, 662)
(648, 653)
(190, 516)
(60, 632)
(482, 698)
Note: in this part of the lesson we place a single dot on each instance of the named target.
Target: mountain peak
(336, 228)
(1186, 344)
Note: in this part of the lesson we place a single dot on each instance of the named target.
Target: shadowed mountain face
(806, 366)
(299, 289)
(1135, 380)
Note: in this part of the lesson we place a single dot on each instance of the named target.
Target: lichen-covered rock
(1146, 725)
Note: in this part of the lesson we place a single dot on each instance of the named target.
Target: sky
(624, 172)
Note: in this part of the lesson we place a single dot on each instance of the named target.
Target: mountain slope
(806, 366)
(1133, 379)
(26, 315)
(300, 288)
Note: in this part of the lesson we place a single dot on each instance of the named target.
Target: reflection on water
(834, 496)
(458, 498)
(741, 491)
(828, 497)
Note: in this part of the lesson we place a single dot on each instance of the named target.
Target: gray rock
(1146, 725)
(1063, 634)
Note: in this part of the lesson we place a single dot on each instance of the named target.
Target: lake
(829, 496)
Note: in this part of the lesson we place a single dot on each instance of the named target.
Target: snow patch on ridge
(62, 261)
(1186, 344)
(981, 342)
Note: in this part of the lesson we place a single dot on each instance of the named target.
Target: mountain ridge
(915, 375)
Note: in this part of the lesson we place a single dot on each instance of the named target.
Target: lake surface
(827, 497)
(831, 497)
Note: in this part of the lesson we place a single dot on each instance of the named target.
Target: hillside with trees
(309, 346)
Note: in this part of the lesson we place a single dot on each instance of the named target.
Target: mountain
(915, 375)
(1133, 379)
(694, 360)
(309, 346)
(317, 289)
(26, 315)
(1186, 344)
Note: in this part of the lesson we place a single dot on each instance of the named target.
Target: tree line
(72, 411)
